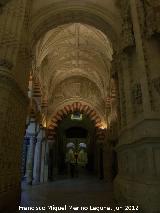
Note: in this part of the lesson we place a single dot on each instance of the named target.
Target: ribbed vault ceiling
(75, 51)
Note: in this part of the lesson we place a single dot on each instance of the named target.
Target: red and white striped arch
(70, 108)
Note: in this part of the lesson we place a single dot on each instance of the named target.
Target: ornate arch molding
(60, 13)
(66, 109)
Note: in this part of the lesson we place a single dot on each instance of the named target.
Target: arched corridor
(80, 103)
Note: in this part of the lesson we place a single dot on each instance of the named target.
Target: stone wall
(13, 102)
(13, 114)
(138, 149)
(137, 64)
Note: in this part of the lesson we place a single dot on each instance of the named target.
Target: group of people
(76, 160)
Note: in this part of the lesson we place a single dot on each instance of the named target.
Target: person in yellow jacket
(82, 158)
(71, 160)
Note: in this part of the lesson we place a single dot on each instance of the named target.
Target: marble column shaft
(30, 160)
(37, 161)
(42, 161)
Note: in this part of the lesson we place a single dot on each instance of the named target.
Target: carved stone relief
(142, 162)
(117, 66)
(137, 98)
(127, 27)
(156, 84)
(152, 16)
(134, 162)
(149, 17)
(148, 12)
(155, 90)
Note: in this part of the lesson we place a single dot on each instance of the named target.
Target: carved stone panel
(155, 91)
(127, 27)
(151, 10)
(142, 162)
(156, 85)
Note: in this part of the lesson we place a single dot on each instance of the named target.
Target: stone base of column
(138, 181)
(144, 195)
(13, 113)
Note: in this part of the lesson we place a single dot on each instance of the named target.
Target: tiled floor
(80, 192)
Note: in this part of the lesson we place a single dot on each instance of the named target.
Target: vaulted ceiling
(73, 64)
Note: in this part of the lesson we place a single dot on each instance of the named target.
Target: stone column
(13, 112)
(101, 161)
(96, 158)
(107, 162)
(44, 162)
(27, 150)
(37, 161)
(13, 102)
(51, 161)
(38, 154)
(24, 156)
(30, 159)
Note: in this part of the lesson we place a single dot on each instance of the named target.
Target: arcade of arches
(81, 72)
